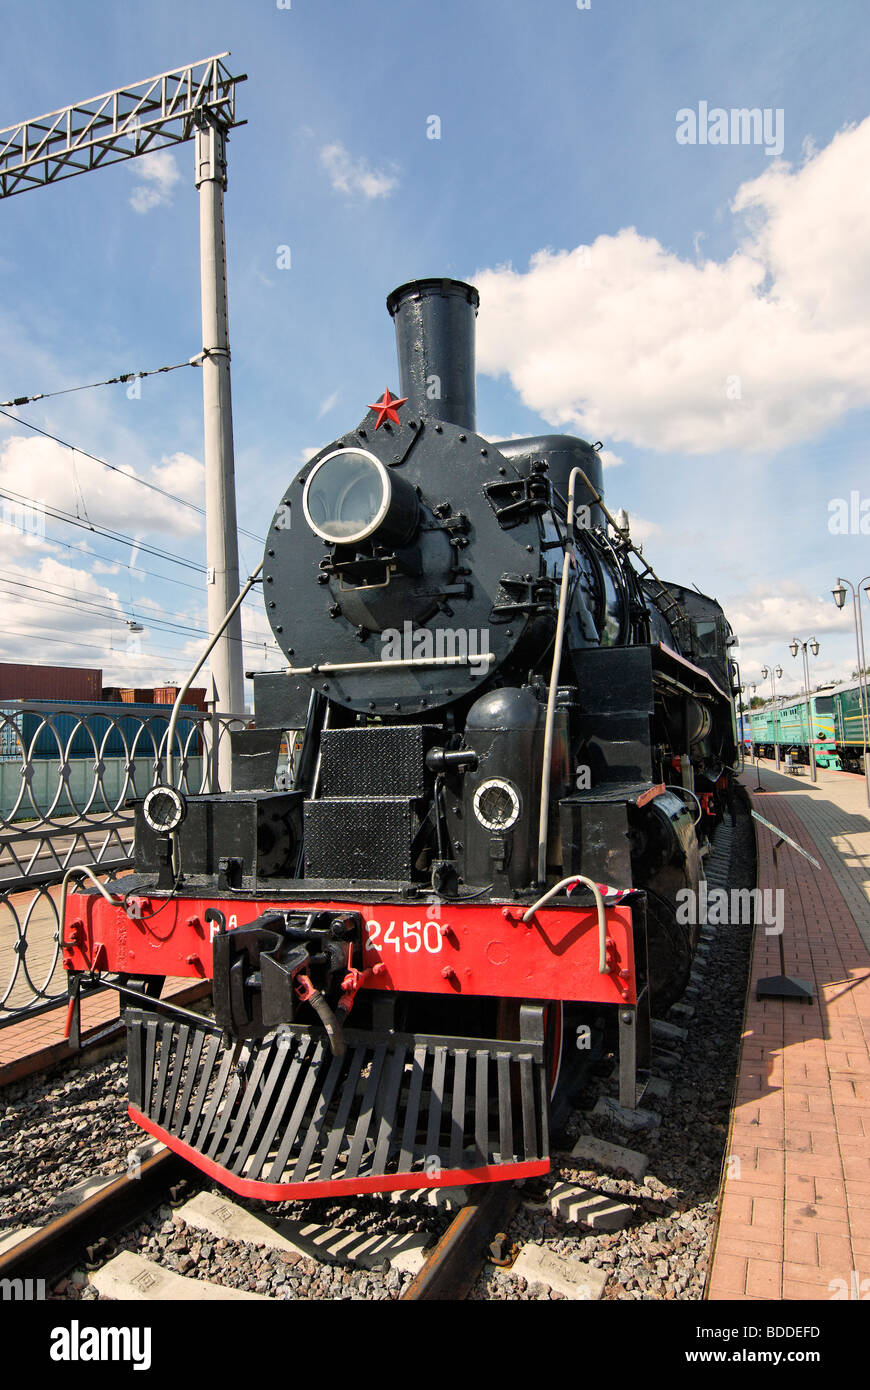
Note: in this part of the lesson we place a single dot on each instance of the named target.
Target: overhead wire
(165, 652)
(105, 612)
(92, 647)
(121, 538)
(134, 569)
(67, 517)
(111, 560)
(88, 605)
(131, 477)
(109, 381)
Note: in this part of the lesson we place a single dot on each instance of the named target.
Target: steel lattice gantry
(163, 110)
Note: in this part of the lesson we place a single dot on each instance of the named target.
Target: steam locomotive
(514, 742)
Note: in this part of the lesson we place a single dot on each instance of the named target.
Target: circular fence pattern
(68, 776)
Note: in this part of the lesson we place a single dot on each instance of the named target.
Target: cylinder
(435, 344)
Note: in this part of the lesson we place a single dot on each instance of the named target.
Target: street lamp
(840, 599)
(775, 674)
(794, 647)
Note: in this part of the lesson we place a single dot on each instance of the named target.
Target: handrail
(544, 813)
(195, 670)
(599, 904)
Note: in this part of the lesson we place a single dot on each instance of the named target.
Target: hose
(329, 1021)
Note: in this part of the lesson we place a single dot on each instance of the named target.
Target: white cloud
(80, 620)
(72, 618)
(766, 620)
(40, 469)
(182, 474)
(326, 406)
(778, 617)
(627, 340)
(265, 655)
(350, 175)
(159, 174)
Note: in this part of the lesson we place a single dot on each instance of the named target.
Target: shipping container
(167, 694)
(29, 682)
(138, 695)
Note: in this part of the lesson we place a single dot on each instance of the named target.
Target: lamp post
(775, 674)
(758, 787)
(840, 600)
(752, 688)
(794, 646)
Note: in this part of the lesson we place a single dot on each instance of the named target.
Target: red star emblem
(387, 408)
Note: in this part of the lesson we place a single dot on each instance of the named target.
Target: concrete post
(222, 556)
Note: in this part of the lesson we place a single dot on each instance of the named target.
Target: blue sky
(706, 265)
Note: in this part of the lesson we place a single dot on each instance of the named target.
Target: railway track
(71, 1238)
(84, 1236)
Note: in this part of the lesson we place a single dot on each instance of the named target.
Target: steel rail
(452, 1269)
(50, 1252)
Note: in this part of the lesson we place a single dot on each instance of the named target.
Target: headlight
(350, 495)
(497, 804)
(164, 809)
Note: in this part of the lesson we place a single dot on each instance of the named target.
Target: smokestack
(435, 345)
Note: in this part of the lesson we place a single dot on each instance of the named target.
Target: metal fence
(67, 776)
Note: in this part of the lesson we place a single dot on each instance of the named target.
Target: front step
(283, 1118)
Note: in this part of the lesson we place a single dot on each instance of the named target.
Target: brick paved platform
(794, 1219)
(38, 1042)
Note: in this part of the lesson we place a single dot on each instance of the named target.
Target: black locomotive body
(512, 742)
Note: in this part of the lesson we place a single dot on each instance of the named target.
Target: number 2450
(414, 936)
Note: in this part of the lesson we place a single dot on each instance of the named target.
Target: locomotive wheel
(669, 950)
